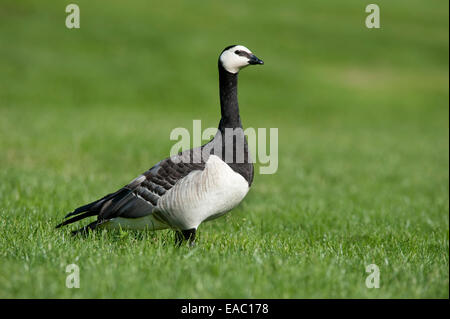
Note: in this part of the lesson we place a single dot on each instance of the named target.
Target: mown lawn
(363, 174)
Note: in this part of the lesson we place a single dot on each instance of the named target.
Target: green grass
(363, 146)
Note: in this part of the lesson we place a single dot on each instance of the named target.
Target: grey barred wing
(140, 197)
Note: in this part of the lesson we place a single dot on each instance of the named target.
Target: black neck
(228, 100)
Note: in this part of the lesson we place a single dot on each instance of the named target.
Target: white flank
(203, 195)
(141, 223)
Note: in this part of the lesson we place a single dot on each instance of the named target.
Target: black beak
(255, 60)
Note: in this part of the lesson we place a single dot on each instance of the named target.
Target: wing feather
(140, 197)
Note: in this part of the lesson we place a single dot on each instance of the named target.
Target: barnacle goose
(182, 191)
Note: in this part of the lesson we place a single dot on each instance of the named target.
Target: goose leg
(182, 235)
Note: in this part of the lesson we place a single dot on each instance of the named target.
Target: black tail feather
(77, 218)
(80, 210)
(94, 208)
(90, 206)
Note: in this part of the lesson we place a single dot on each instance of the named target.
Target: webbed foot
(188, 235)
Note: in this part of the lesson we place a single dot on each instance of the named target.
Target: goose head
(235, 57)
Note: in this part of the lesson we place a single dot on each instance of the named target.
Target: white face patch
(233, 62)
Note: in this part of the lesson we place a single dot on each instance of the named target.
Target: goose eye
(237, 52)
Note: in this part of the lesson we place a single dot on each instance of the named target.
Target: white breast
(203, 195)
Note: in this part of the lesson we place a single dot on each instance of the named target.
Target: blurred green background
(363, 125)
